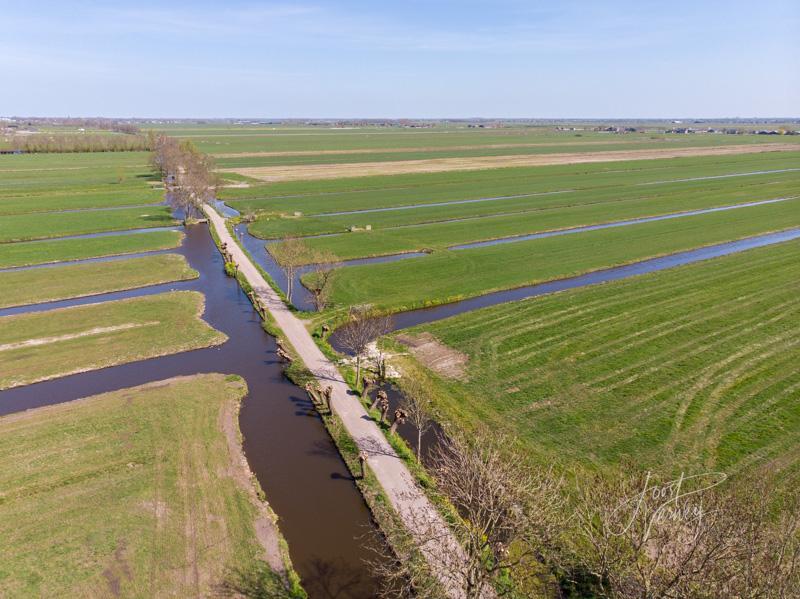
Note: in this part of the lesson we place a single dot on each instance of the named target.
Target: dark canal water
(322, 514)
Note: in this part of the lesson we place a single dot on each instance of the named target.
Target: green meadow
(33, 174)
(692, 369)
(315, 197)
(135, 493)
(331, 144)
(450, 275)
(54, 201)
(20, 287)
(46, 345)
(60, 250)
(593, 209)
(25, 227)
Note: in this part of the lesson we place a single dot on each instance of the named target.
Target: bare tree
(511, 517)
(688, 538)
(417, 403)
(364, 326)
(320, 279)
(291, 253)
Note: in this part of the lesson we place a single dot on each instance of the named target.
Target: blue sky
(501, 58)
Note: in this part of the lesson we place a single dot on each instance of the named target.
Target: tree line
(188, 174)
(44, 143)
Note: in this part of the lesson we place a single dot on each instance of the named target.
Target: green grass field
(339, 145)
(24, 227)
(45, 345)
(598, 209)
(135, 493)
(692, 369)
(87, 200)
(314, 197)
(449, 275)
(679, 194)
(59, 250)
(36, 285)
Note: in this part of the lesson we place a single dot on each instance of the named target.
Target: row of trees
(187, 173)
(534, 533)
(79, 142)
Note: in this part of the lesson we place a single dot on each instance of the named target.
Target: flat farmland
(437, 227)
(139, 492)
(46, 345)
(60, 250)
(450, 275)
(107, 179)
(29, 286)
(691, 369)
(369, 193)
(251, 146)
(482, 161)
(24, 227)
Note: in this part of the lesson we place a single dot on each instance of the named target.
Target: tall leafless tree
(417, 404)
(320, 279)
(364, 326)
(291, 254)
(511, 518)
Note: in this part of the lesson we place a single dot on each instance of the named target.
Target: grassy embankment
(450, 275)
(37, 285)
(55, 343)
(690, 370)
(140, 492)
(60, 250)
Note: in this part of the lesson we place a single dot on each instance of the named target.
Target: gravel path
(419, 515)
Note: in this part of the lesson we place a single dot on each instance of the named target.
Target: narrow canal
(321, 512)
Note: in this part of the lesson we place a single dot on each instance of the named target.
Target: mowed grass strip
(450, 275)
(60, 250)
(38, 285)
(26, 227)
(687, 370)
(135, 493)
(45, 345)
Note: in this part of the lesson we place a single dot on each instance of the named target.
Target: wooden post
(362, 460)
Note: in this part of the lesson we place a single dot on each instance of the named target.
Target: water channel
(321, 512)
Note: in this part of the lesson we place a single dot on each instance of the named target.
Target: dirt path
(438, 165)
(416, 511)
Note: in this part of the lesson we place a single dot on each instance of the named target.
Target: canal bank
(321, 512)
